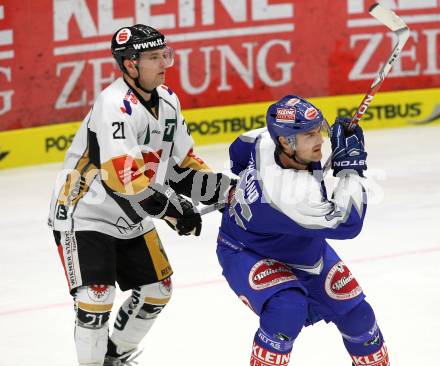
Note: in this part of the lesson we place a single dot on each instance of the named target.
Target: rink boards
(215, 125)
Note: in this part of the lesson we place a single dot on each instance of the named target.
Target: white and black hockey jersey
(117, 150)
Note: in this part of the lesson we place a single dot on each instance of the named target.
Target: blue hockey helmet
(292, 115)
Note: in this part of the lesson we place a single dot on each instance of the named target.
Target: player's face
(308, 145)
(152, 65)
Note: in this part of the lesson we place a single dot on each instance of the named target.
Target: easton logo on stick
(363, 108)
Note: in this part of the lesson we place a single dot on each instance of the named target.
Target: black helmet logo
(123, 36)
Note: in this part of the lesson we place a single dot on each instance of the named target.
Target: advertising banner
(55, 54)
(222, 124)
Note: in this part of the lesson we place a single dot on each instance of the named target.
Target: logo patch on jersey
(98, 293)
(379, 358)
(126, 169)
(340, 283)
(126, 108)
(123, 36)
(125, 227)
(268, 272)
(151, 162)
(285, 115)
(311, 113)
(130, 97)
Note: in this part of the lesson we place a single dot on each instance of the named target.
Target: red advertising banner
(55, 54)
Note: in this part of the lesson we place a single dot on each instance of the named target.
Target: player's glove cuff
(348, 153)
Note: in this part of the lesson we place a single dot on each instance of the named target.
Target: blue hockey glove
(348, 152)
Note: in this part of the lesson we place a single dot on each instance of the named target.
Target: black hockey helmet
(129, 42)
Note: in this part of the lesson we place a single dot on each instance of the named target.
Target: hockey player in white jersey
(272, 243)
(104, 199)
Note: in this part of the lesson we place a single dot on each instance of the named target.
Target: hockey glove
(189, 223)
(177, 211)
(205, 187)
(348, 153)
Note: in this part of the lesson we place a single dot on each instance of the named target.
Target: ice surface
(396, 259)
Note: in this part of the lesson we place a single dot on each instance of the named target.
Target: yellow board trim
(213, 125)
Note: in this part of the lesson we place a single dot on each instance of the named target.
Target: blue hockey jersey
(284, 214)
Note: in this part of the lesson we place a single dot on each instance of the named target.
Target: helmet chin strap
(302, 165)
(294, 158)
(291, 140)
(138, 84)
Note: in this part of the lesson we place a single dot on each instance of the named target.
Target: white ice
(396, 259)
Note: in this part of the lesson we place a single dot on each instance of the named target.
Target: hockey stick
(211, 208)
(202, 211)
(388, 18)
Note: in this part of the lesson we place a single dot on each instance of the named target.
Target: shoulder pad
(252, 135)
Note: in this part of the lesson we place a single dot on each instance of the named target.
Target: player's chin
(316, 156)
(160, 79)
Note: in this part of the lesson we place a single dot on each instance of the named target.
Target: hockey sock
(138, 313)
(93, 305)
(268, 350)
(281, 320)
(362, 337)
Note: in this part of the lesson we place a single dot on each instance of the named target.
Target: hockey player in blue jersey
(272, 243)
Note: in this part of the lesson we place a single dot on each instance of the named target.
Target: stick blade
(387, 17)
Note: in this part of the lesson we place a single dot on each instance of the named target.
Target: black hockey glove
(164, 203)
(348, 152)
(205, 187)
(189, 223)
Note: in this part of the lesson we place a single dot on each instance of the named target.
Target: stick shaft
(398, 26)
